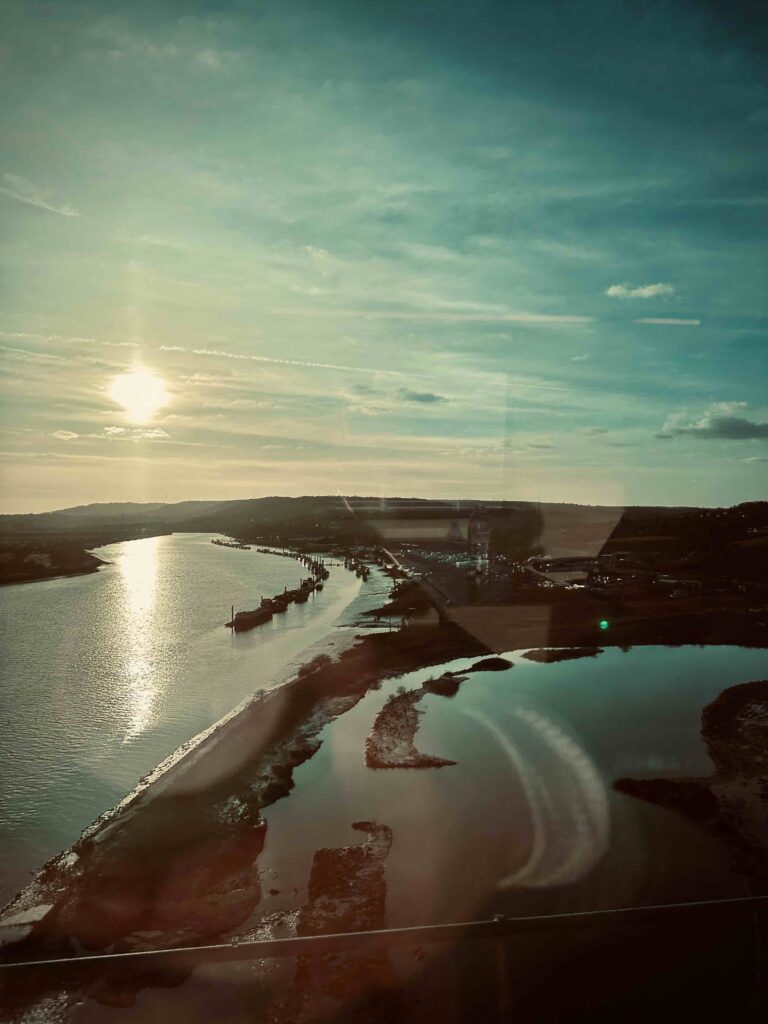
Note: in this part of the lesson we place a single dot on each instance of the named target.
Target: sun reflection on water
(138, 577)
(138, 570)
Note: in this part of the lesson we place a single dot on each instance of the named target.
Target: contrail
(221, 354)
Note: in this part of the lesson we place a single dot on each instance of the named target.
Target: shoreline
(191, 766)
(181, 864)
(178, 864)
(341, 637)
(56, 576)
(176, 773)
(235, 669)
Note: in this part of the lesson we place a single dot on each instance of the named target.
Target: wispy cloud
(641, 291)
(162, 243)
(417, 315)
(117, 434)
(210, 58)
(24, 191)
(27, 354)
(667, 321)
(222, 354)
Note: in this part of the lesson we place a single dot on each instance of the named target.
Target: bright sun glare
(140, 392)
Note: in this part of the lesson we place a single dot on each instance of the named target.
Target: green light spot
(604, 623)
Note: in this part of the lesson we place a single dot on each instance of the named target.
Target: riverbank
(176, 862)
(210, 767)
(44, 569)
(39, 556)
(107, 675)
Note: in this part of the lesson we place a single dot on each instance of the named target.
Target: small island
(390, 744)
(550, 655)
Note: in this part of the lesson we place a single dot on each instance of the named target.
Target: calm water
(106, 675)
(527, 821)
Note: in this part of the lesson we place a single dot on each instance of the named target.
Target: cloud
(24, 191)
(424, 397)
(285, 447)
(220, 354)
(211, 59)
(642, 291)
(137, 433)
(316, 253)
(755, 458)
(164, 243)
(370, 401)
(27, 354)
(581, 359)
(367, 410)
(719, 422)
(426, 317)
(667, 321)
(117, 434)
(203, 379)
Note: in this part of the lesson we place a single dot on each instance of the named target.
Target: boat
(279, 603)
(255, 617)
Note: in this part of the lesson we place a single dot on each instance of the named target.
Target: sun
(140, 392)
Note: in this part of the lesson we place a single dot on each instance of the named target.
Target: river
(105, 675)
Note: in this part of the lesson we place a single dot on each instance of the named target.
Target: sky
(492, 250)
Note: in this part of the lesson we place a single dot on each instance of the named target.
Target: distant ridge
(237, 513)
(327, 516)
(727, 541)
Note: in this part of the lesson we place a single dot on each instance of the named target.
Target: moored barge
(255, 617)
